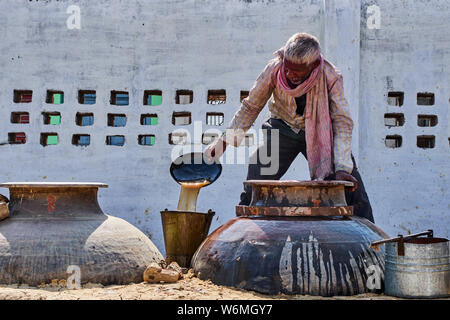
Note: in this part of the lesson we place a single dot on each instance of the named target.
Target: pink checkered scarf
(318, 129)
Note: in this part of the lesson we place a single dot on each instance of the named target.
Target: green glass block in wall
(153, 121)
(52, 140)
(55, 119)
(57, 98)
(147, 140)
(154, 100)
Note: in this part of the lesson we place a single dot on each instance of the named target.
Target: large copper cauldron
(56, 225)
(296, 237)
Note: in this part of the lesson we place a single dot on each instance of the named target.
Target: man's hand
(342, 175)
(215, 149)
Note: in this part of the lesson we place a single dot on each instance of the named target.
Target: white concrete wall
(133, 46)
(408, 186)
(198, 45)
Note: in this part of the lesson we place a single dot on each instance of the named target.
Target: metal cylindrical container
(422, 272)
(54, 228)
(183, 232)
(295, 237)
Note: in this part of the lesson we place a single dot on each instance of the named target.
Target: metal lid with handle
(400, 240)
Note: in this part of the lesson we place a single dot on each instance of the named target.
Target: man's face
(300, 74)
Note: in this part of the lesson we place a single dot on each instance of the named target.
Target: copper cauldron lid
(296, 198)
(299, 183)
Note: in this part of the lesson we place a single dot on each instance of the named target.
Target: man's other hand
(342, 175)
(215, 149)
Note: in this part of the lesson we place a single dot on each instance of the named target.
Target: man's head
(301, 56)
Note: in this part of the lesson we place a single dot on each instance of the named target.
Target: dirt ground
(185, 289)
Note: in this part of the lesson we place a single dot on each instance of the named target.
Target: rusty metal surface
(273, 193)
(296, 237)
(293, 211)
(299, 183)
(183, 232)
(51, 228)
(41, 201)
(52, 184)
(323, 256)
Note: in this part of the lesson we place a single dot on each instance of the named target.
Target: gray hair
(302, 48)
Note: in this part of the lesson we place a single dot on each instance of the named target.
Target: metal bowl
(193, 167)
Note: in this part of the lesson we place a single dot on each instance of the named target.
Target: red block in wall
(25, 98)
(24, 118)
(20, 138)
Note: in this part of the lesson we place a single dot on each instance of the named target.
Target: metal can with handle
(418, 270)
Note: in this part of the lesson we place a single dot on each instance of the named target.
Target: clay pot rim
(53, 185)
(298, 183)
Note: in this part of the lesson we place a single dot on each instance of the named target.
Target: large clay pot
(280, 244)
(56, 225)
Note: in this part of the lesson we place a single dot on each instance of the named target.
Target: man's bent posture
(311, 114)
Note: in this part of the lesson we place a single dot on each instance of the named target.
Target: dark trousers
(290, 145)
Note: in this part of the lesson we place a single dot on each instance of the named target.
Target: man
(311, 114)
